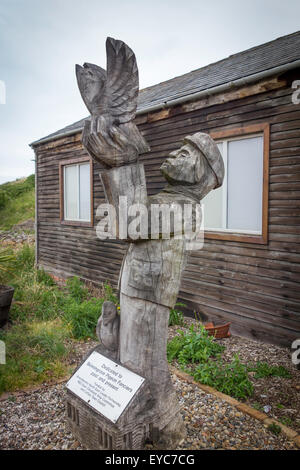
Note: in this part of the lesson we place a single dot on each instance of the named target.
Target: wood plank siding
(255, 286)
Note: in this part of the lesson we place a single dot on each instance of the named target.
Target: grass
(17, 202)
(35, 352)
(176, 316)
(46, 322)
(7, 263)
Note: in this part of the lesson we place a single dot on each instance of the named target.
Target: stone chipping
(36, 420)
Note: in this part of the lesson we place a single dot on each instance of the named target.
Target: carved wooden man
(152, 268)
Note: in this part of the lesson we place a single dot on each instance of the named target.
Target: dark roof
(272, 54)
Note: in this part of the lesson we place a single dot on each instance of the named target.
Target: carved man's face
(184, 166)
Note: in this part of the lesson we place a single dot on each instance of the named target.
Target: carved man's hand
(111, 144)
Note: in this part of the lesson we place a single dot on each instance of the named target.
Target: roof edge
(173, 102)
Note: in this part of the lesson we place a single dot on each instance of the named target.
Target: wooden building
(249, 269)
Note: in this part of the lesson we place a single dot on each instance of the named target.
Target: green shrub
(30, 181)
(109, 294)
(83, 317)
(195, 346)
(230, 378)
(76, 289)
(44, 278)
(7, 264)
(45, 319)
(25, 258)
(17, 202)
(262, 369)
(49, 303)
(47, 340)
(80, 311)
(36, 296)
(36, 337)
(176, 316)
(4, 198)
(17, 210)
(16, 188)
(174, 347)
(34, 353)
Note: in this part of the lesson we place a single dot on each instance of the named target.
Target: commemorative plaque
(105, 385)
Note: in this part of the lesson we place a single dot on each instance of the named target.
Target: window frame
(235, 235)
(62, 165)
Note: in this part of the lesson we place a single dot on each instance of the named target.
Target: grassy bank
(17, 202)
(46, 321)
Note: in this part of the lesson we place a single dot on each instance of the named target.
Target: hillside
(16, 202)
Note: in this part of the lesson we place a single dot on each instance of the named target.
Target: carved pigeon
(112, 93)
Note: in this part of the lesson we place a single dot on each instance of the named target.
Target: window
(238, 210)
(76, 189)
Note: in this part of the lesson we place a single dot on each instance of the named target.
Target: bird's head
(91, 81)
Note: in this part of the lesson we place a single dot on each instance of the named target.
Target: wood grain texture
(244, 267)
(112, 92)
(150, 274)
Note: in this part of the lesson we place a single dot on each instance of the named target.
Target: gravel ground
(214, 424)
(36, 420)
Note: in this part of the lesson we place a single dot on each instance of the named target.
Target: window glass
(237, 205)
(213, 204)
(84, 192)
(245, 183)
(71, 192)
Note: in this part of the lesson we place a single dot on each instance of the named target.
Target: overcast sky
(41, 40)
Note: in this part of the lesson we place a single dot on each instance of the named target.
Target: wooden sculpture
(152, 267)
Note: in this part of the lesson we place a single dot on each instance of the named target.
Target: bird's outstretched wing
(122, 83)
(110, 136)
(114, 93)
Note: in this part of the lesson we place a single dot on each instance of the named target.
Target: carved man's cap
(210, 150)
